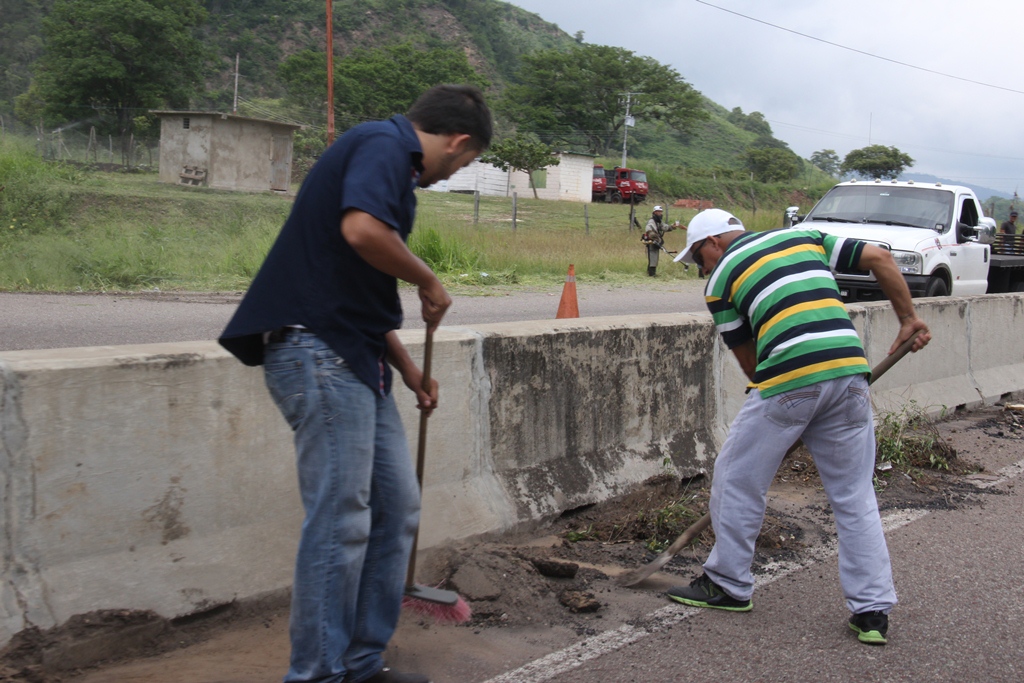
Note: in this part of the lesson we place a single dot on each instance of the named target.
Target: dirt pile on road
(562, 574)
(505, 587)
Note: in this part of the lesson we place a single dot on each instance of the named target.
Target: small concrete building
(225, 151)
(569, 181)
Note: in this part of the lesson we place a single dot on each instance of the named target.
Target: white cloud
(820, 96)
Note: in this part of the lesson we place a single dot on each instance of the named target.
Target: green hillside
(263, 32)
(493, 36)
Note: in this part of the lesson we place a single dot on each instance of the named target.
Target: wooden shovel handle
(893, 357)
(421, 449)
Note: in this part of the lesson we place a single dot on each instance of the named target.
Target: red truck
(619, 185)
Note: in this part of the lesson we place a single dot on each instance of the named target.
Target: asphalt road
(51, 321)
(961, 617)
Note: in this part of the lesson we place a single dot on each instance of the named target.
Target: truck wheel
(936, 287)
(615, 198)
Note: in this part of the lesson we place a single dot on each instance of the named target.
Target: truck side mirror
(965, 233)
(790, 219)
(986, 230)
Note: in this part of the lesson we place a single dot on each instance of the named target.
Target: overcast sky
(818, 96)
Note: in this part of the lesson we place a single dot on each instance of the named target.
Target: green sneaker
(870, 627)
(703, 592)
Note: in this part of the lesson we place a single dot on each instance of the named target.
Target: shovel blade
(637, 575)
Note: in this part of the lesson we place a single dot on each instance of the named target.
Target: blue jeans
(362, 506)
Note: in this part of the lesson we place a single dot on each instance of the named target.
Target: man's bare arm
(382, 247)
(412, 376)
(881, 264)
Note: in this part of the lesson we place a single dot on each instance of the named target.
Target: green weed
(907, 438)
(586, 534)
(663, 525)
(445, 254)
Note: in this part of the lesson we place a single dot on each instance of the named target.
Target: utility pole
(330, 72)
(235, 108)
(627, 123)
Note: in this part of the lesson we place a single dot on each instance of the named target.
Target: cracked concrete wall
(581, 410)
(161, 477)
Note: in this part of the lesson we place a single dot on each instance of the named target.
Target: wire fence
(80, 143)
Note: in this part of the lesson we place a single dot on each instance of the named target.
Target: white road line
(572, 657)
(1005, 474)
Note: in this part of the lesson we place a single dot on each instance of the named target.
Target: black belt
(281, 334)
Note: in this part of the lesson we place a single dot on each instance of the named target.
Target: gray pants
(834, 420)
(652, 255)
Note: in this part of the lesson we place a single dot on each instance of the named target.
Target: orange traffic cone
(568, 307)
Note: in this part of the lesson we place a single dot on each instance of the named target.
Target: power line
(268, 113)
(863, 52)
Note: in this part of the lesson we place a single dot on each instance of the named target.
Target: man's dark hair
(454, 109)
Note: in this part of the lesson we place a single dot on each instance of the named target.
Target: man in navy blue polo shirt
(321, 317)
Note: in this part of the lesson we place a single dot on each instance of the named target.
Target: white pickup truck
(941, 240)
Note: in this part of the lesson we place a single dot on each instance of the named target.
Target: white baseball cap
(704, 225)
(657, 208)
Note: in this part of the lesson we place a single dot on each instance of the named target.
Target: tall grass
(100, 232)
(547, 237)
(64, 230)
(551, 235)
(33, 194)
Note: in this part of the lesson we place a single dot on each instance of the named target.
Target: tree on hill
(577, 97)
(523, 153)
(877, 161)
(827, 160)
(755, 121)
(376, 83)
(769, 141)
(304, 76)
(20, 45)
(772, 164)
(108, 61)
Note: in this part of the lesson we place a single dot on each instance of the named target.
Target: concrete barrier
(995, 346)
(161, 477)
(976, 356)
(148, 477)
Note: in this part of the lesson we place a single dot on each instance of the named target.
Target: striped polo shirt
(777, 289)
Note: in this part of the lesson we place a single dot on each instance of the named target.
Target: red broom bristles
(459, 613)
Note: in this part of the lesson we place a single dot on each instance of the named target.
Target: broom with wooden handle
(441, 605)
(635, 576)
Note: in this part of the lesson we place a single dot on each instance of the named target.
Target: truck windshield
(598, 172)
(638, 176)
(916, 207)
